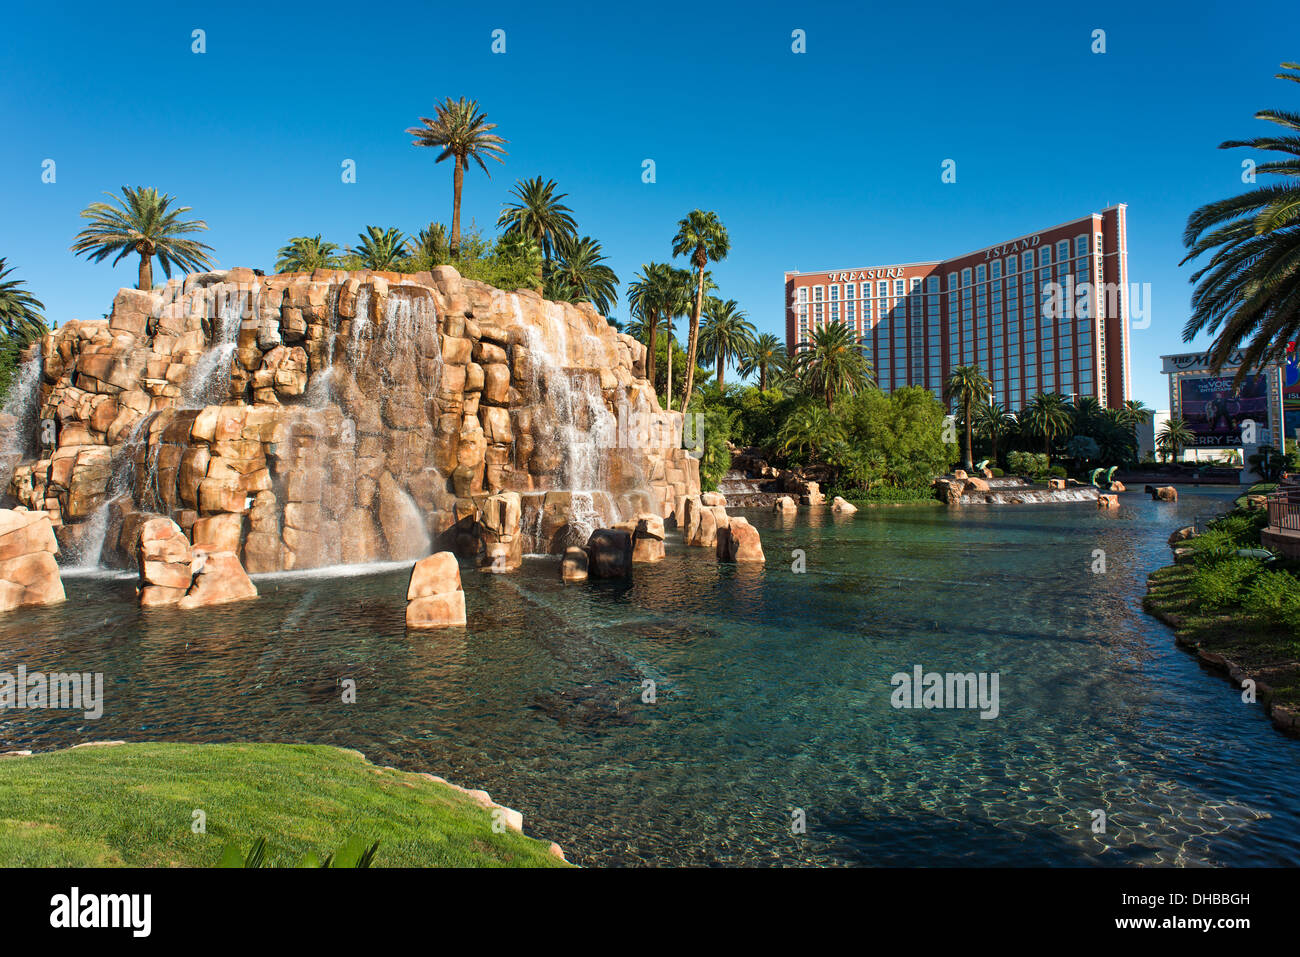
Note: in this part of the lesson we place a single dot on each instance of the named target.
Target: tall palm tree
(764, 353)
(1048, 415)
(727, 333)
(460, 130)
(833, 362)
(968, 387)
(305, 253)
(650, 296)
(1250, 287)
(580, 274)
(381, 249)
(992, 419)
(142, 222)
(538, 213)
(1174, 436)
(21, 313)
(1134, 413)
(702, 238)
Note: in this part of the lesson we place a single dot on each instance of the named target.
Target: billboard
(1214, 410)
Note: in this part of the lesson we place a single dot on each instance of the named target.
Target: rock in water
(1166, 493)
(218, 579)
(847, 508)
(573, 567)
(609, 553)
(1108, 501)
(786, 504)
(648, 538)
(738, 541)
(164, 556)
(29, 574)
(434, 597)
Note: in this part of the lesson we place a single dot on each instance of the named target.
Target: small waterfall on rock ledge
(17, 438)
(209, 380)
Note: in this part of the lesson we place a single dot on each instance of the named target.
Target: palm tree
(461, 131)
(810, 427)
(727, 333)
(992, 419)
(431, 244)
(1134, 413)
(968, 387)
(764, 353)
(305, 253)
(21, 318)
(702, 238)
(580, 274)
(539, 215)
(1250, 288)
(649, 296)
(832, 361)
(1174, 436)
(1048, 415)
(381, 249)
(142, 222)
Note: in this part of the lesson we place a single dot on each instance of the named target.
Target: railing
(1284, 509)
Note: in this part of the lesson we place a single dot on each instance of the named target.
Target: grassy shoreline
(1213, 600)
(133, 805)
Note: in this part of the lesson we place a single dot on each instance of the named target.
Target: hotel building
(987, 308)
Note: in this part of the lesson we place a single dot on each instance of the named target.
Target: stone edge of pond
(1285, 718)
(512, 819)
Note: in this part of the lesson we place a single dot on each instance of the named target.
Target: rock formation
(648, 538)
(573, 566)
(304, 420)
(434, 597)
(609, 553)
(848, 508)
(785, 504)
(174, 573)
(738, 541)
(29, 573)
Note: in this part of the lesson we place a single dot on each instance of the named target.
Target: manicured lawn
(133, 805)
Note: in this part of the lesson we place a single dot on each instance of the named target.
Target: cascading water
(582, 427)
(320, 390)
(86, 553)
(17, 438)
(209, 380)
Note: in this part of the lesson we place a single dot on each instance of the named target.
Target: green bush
(1057, 471)
(997, 472)
(1223, 585)
(1241, 526)
(1028, 464)
(1276, 596)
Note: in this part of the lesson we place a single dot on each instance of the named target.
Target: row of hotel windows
(1022, 264)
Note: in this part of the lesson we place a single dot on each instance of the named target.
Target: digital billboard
(1214, 410)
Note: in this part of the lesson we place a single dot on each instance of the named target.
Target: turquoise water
(772, 689)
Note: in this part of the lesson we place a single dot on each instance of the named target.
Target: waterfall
(320, 389)
(21, 404)
(209, 381)
(87, 553)
(581, 426)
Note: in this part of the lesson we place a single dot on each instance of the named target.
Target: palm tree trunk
(668, 398)
(762, 377)
(970, 462)
(720, 364)
(691, 340)
(457, 182)
(146, 272)
(650, 352)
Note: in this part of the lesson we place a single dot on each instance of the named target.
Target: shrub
(997, 472)
(1057, 471)
(1276, 596)
(1241, 526)
(1223, 585)
(1028, 464)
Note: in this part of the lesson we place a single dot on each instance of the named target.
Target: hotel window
(817, 314)
(818, 292)
(997, 269)
(965, 276)
(850, 291)
(898, 287)
(1099, 249)
(932, 285)
(1027, 261)
(848, 311)
(1011, 265)
(882, 290)
(952, 281)
(1063, 250)
(1081, 245)
(803, 293)
(835, 293)
(835, 310)
(866, 309)
(979, 274)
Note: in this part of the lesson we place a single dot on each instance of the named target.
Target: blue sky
(824, 159)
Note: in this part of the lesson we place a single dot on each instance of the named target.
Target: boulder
(609, 553)
(713, 498)
(847, 508)
(1117, 487)
(1108, 501)
(218, 578)
(500, 545)
(813, 495)
(738, 541)
(786, 504)
(986, 473)
(434, 597)
(1056, 484)
(959, 474)
(975, 485)
(1182, 535)
(573, 566)
(1165, 493)
(164, 556)
(29, 573)
(648, 538)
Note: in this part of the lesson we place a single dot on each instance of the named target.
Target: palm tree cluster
(22, 321)
(1046, 423)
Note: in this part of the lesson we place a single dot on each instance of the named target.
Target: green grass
(132, 805)
(1259, 488)
(1268, 652)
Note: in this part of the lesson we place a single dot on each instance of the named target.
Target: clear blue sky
(825, 159)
